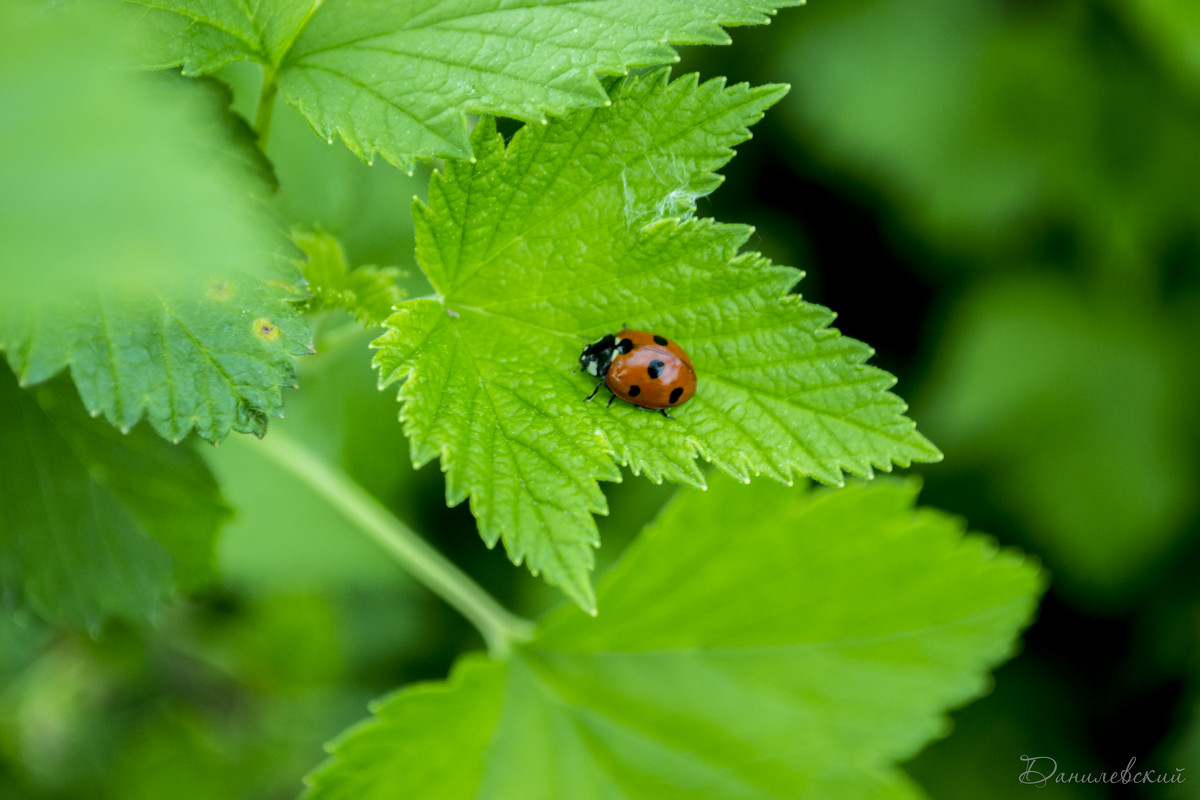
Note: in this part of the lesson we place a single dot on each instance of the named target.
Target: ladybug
(642, 368)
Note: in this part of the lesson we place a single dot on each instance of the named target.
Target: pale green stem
(500, 628)
(266, 107)
(266, 95)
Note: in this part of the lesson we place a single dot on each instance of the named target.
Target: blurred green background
(1000, 196)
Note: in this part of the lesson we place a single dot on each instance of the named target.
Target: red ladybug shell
(654, 373)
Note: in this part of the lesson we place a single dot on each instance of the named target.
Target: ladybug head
(597, 356)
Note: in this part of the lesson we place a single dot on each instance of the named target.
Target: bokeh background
(999, 195)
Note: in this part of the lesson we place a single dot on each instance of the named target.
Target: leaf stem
(500, 627)
(266, 106)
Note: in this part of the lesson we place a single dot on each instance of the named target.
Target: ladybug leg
(610, 401)
(593, 394)
(665, 414)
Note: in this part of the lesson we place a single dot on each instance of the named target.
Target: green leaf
(208, 358)
(757, 642)
(398, 78)
(94, 523)
(369, 293)
(238, 142)
(140, 255)
(367, 207)
(578, 228)
(135, 201)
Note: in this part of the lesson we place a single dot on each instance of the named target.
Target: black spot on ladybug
(625, 346)
(678, 390)
(655, 368)
(634, 391)
(660, 340)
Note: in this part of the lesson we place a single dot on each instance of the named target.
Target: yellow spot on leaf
(264, 329)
